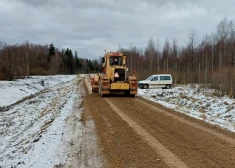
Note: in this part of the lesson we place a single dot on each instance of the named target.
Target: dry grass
(226, 103)
(228, 116)
(38, 71)
(207, 105)
(203, 116)
(59, 166)
(184, 96)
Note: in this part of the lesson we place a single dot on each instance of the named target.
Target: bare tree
(149, 54)
(174, 58)
(232, 42)
(158, 56)
(165, 55)
(223, 32)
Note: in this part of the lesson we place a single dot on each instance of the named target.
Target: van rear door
(165, 80)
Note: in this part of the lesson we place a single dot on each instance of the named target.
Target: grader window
(115, 61)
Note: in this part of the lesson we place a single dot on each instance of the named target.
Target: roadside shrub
(1, 76)
(38, 71)
(4, 75)
(203, 116)
(20, 71)
(224, 82)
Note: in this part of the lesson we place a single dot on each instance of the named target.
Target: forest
(27, 59)
(210, 61)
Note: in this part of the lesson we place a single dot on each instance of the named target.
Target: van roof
(162, 75)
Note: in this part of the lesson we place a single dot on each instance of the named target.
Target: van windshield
(149, 78)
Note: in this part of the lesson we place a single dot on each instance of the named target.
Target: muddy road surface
(133, 132)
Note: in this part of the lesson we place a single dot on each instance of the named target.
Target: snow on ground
(13, 91)
(45, 129)
(41, 121)
(31, 131)
(196, 102)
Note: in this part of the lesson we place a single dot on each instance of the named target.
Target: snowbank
(13, 91)
(195, 102)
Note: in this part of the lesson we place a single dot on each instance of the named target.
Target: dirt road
(134, 132)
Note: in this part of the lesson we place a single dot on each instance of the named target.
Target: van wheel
(146, 86)
(168, 86)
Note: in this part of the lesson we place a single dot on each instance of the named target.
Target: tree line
(210, 61)
(35, 59)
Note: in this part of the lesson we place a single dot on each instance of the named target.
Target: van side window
(155, 78)
(165, 78)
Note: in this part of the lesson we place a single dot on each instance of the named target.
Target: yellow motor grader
(114, 78)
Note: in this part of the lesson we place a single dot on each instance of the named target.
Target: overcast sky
(90, 26)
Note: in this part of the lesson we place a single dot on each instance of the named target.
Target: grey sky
(90, 26)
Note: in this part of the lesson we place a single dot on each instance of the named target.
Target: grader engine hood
(119, 74)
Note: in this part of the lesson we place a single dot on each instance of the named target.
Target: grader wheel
(100, 88)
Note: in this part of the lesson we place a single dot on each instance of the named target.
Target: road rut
(191, 142)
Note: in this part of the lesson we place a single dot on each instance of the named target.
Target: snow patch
(196, 102)
(13, 91)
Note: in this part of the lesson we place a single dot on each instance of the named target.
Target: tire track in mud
(119, 143)
(181, 119)
(194, 142)
(194, 147)
(171, 159)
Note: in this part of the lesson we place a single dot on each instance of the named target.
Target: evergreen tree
(51, 52)
(69, 61)
(78, 63)
(52, 49)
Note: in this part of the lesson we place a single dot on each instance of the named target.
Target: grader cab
(114, 78)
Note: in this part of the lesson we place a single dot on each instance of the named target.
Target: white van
(156, 81)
